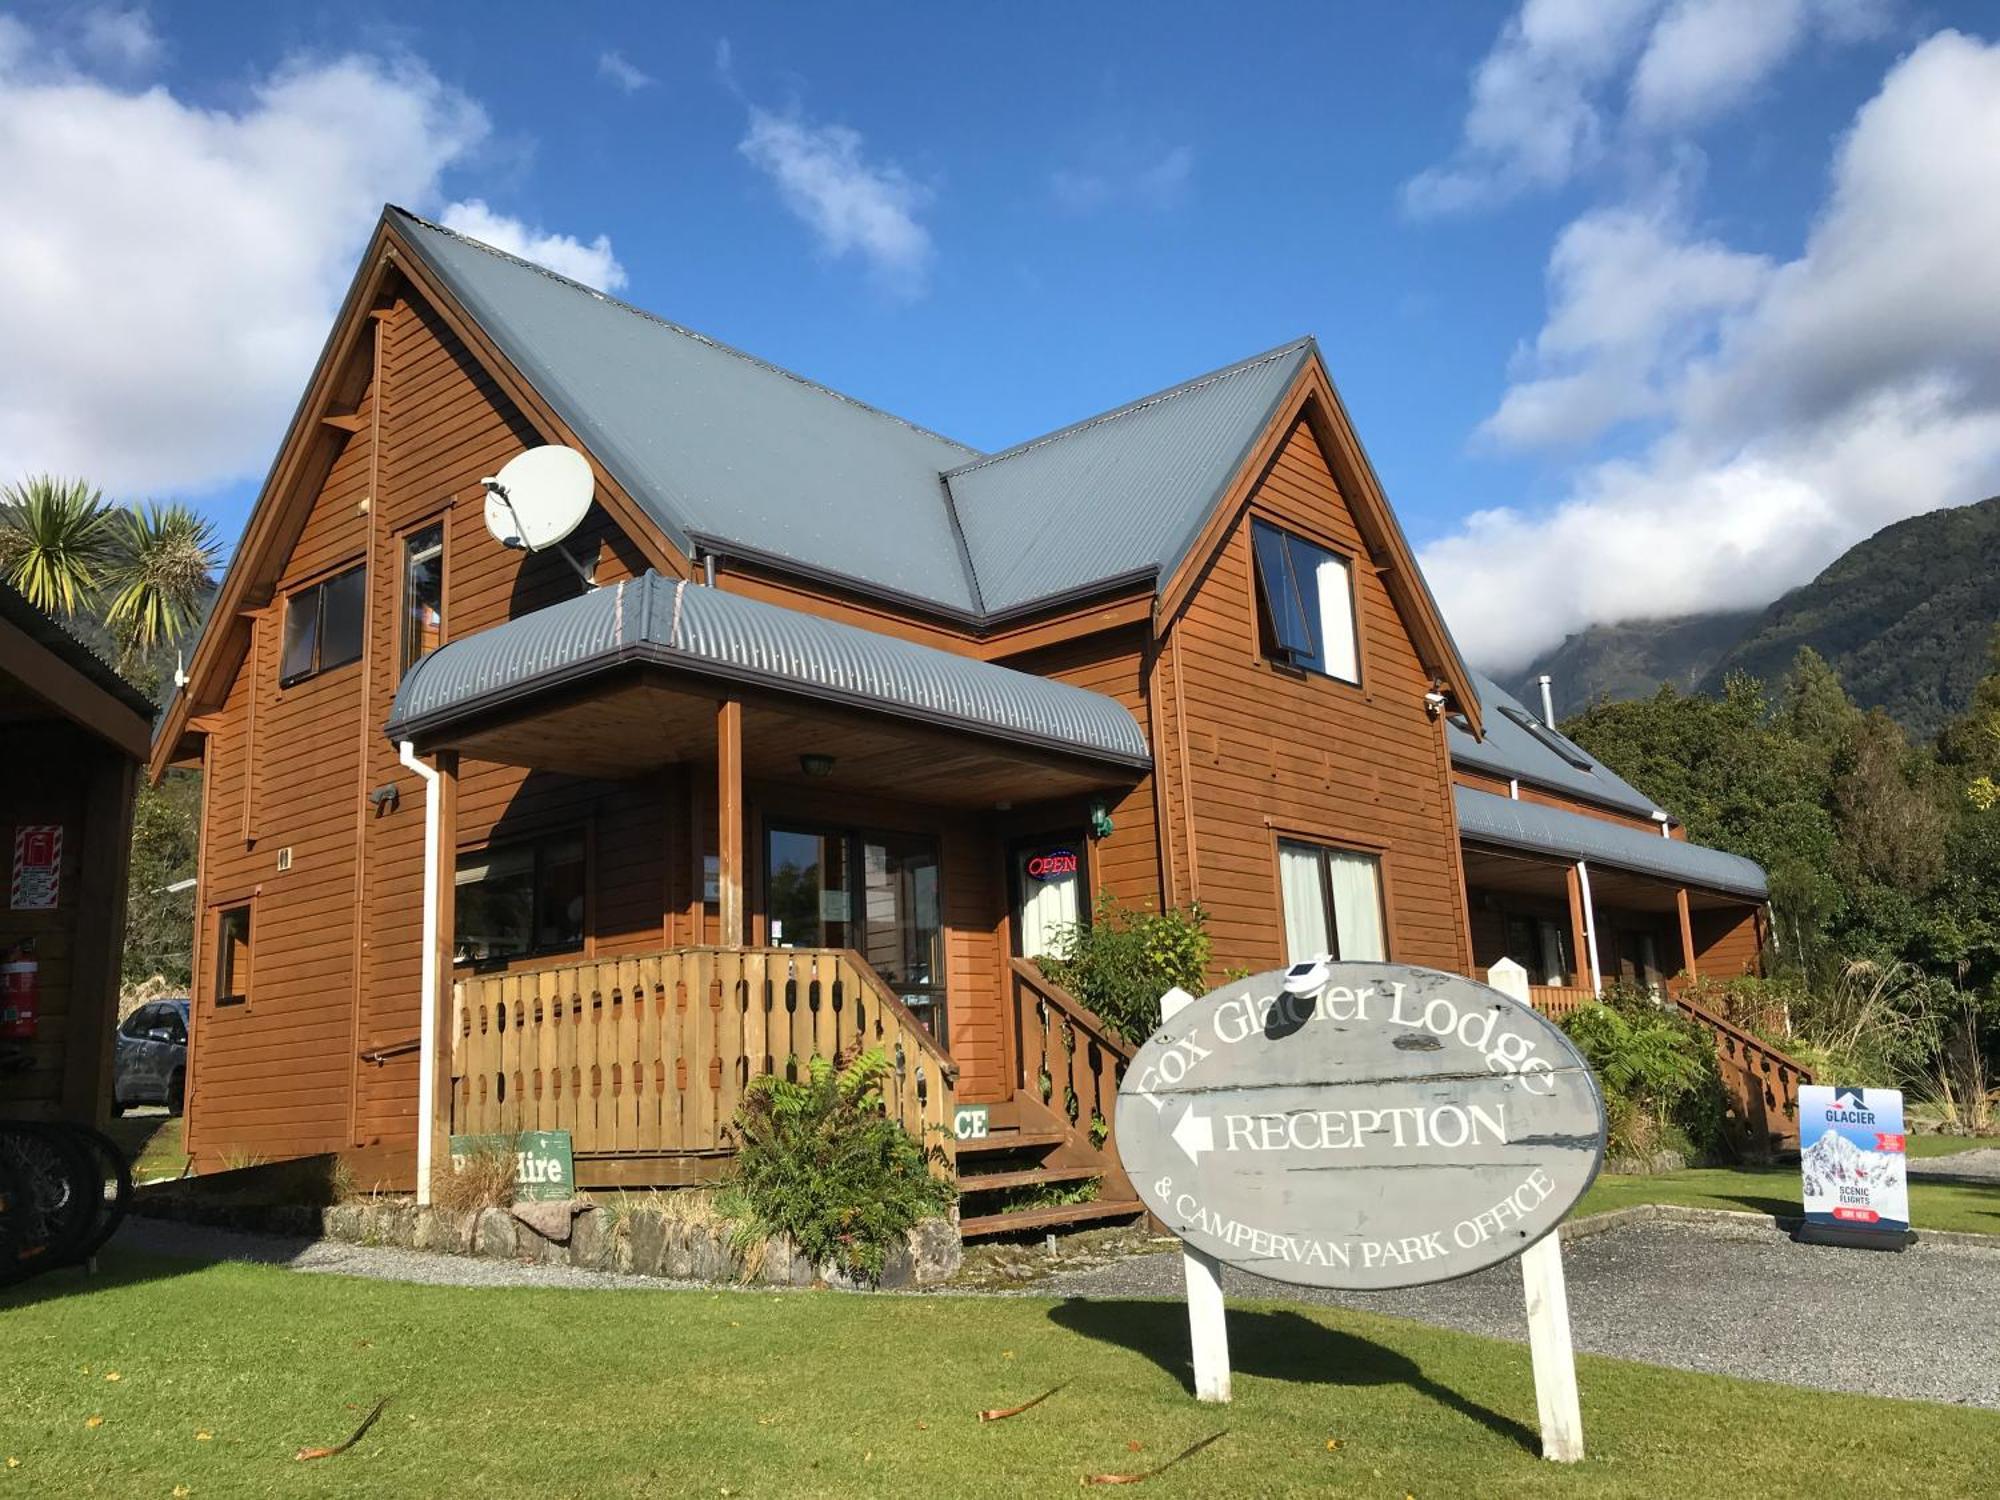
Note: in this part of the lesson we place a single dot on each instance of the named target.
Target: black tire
(55, 1173)
(14, 1224)
(177, 1093)
(112, 1179)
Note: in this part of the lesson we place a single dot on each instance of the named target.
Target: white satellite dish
(539, 497)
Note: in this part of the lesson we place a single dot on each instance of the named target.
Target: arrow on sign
(1194, 1134)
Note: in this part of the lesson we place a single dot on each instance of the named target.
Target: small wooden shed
(72, 736)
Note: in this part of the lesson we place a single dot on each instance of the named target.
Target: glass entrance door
(876, 893)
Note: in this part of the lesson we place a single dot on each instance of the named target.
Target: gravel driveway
(1728, 1299)
(1982, 1165)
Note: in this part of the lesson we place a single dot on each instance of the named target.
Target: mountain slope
(1631, 659)
(1904, 617)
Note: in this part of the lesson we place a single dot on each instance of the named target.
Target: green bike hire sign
(544, 1168)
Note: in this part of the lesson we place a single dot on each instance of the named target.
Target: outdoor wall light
(385, 799)
(816, 765)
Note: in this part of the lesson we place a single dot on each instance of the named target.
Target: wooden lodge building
(852, 718)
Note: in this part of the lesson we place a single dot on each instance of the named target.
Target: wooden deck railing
(649, 1056)
(1558, 1000)
(1070, 1061)
(1761, 1082)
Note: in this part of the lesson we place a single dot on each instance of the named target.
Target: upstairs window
(1305, 599)
(423, 594)
(324, 625)
(514, 900)
(232, 955)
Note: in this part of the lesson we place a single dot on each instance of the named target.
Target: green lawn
(1775, 1190)
(1948, 1145)
(152, 1142)
(554, 1393)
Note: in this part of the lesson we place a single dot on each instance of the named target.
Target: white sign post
(1366, 1126)
(1548, 1303)
(1208, 1328)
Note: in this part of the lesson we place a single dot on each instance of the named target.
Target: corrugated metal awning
(1489, 819)
(709, 633)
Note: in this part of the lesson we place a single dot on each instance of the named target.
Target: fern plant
(1658, 1074)
(820, 1161)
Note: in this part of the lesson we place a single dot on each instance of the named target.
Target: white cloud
(1852, 386)
(613, 66)
(1543, 108)
(1631, 300)
(1534, 120)
(122, 39)
(593, 264)
(1116, 172)
(853, 205)
(173, 283)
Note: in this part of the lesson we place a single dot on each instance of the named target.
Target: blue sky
(1555, 257)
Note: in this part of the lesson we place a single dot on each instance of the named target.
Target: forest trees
(1879, 852)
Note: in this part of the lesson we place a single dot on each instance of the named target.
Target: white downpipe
(1590, 927)
(428, 985)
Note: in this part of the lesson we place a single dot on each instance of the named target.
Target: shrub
(1122, 960)
(1662, 1089)
(818, 1160)
(483, 1177)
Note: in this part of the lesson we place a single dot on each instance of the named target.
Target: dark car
(151, 1066)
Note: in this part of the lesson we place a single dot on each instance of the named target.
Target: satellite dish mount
(538, 499)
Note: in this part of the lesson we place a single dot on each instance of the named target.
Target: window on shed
(423, 594)
(232, 955)
(324, 624)
(1305, 597)
(518, 899)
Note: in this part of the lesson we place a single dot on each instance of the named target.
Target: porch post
(1687, 932)
(1582, 898)
(729, 817)
(1579, 943)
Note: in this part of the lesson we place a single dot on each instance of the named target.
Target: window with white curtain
(1306, 594)
(1333, 902)
(1049, 879)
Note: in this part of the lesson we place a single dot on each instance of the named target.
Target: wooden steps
(1011, 1140)
(988, 1182)
(1061, 1217)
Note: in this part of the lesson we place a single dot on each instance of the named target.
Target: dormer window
(1305, 604)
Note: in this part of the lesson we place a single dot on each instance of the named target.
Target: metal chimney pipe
(1548, 701)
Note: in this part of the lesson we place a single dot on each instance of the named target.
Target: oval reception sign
(1397, 1125)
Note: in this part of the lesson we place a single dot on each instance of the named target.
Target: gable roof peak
(1143, 403)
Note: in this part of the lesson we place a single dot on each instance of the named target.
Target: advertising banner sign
(544, 1164)
(1852, 1169)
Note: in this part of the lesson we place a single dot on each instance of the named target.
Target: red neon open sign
(1055, 864)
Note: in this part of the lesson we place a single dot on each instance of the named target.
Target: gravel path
(380, 1262)
(1982, 1165)
(1726, 1299)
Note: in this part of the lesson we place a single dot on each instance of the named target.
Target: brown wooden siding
(1369, 771)
(1728, 940)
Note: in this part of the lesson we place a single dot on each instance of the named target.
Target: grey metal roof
(710, 633)
(69, 648)
(1491, 819)
(716, 445)
(1120, 494)
(1511, 751)
(726, 451)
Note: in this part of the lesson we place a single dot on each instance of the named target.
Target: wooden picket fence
(649, 1056)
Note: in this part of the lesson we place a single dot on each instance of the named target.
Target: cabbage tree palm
(56, 541)
(161, 569)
